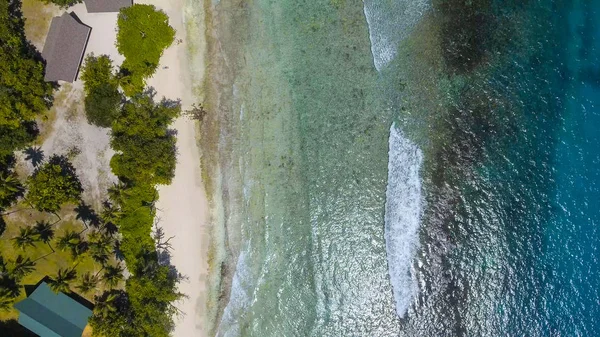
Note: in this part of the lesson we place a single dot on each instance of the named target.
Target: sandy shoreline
(183, 206)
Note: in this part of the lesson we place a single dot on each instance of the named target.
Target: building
(103, 6)
(53, 315)
(64, 48)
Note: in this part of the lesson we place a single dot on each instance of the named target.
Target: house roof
(64, 47)
(98, 6)
(52, 315)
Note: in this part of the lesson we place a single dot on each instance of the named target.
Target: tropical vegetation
(24, 95)
(53, 185)
(146, 157)
(45, 227)
(101, 86)
(144, 33)
(63, 3)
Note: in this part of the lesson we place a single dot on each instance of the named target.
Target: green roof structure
(49, 314)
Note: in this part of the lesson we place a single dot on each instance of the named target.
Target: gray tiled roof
(96, 6)
(64, 48)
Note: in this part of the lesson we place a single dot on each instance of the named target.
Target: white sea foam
(239, 298)
(403, 210)
(389, 23)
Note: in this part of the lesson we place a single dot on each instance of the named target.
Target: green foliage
(53, 184)
(97, 71)
(131, 83)
(143, 34)
(71, 241)
(10, 189)
(112, 315)
(15, 138)
(6, 300)
(101, 86)
(21, 267)
(141, 135)
(63, 3)
(100, 247)
(24, 94)
(152, 159)
(102, 105)
(112, 275)
(88, 283)
(146, 309)
(27, 238)
(146, 157)
(44, 231)
(141, 117)
(151, 297)
(62, 280)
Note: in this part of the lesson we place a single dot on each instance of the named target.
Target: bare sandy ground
(67, 131)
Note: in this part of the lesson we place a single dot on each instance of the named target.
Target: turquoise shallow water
(409, 168)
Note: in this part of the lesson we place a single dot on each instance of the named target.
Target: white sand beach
(183, 206)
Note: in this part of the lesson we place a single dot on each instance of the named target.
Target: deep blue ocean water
(510, 230)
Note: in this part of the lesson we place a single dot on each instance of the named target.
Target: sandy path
(183, 206)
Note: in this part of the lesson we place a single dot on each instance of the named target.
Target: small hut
(49, 314)
(64, 48)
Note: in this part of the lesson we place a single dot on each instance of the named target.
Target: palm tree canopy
(117, 192)
(68, 240)
(6, 299)
(88, 283)
(44, 230)
(105, 304)
(110, 212)
(100, 246)
(10, 189)
(27, 238)
(113, 275)
(63, 278)
(21, 267)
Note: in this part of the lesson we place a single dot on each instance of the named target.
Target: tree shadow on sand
(35, 155)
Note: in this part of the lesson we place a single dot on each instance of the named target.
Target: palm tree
(110, 215)
(148, 262)
(44, 231)
(69, 239)
(88, 283)
(105, 304)
(113, 275)
(21, 267)
(10, 188)
(27, 238)
(6, 299)
(100, 247)
(117, 192)
(72, 241)
(62, 280)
